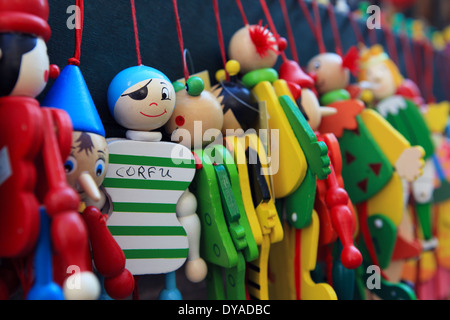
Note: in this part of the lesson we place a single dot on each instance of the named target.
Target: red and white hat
(25, 16)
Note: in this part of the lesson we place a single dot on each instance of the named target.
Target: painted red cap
(25, 16)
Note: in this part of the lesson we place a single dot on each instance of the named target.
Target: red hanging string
(220, 36)
(308, 18)
(271, 24)
(241, 9)
(318, 26)
(316, 30)
(356, 29)
(136, 33)
(180, 39)
(79, 16)
(289, 31)
(335, 29)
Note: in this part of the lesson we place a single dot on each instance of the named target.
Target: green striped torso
(145, 181)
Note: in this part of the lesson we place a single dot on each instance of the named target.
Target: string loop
(289, 31)
(241, 10)
(335, 30)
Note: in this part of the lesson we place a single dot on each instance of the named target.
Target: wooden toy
(228, 241)
(361, 125)
(371, 128)
(335, 216)
(193, 117)
(427, 272)
(364, 126)
(406, 117)
(226, 233)
(254, 178)
(85, 170)
(254, 47)
(295, 175)
(299, 218)
(41, 140)
(147, 179)
(241, 118)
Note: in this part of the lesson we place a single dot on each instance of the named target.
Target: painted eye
(165, 94)
(70, 165)
(317, 65)
(140, 94)
(99, 167)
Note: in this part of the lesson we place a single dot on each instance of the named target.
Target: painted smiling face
(141, 98)
(329, 72)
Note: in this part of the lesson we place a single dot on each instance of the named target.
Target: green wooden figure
(402, 113)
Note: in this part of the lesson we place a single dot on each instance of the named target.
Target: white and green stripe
(145, 181)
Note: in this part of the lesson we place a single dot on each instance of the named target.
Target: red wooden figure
(34, 142)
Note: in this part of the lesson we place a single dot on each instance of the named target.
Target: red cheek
(46, 75)
(179, 121)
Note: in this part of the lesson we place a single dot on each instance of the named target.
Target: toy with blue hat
(141, 98)
(86, 168)
(86, 165)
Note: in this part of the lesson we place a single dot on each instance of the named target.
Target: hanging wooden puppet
(335, 224)
(241, 118)
(86, 169)
(147, 178)
(385, 79)
(374, 157)
(227, 239)
(300, 159)
(35, 143)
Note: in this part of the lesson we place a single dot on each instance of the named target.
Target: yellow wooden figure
(298, 159)
(227, 240)
(242, 113)
(403, 114)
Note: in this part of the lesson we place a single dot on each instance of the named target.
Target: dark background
(108, 47)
